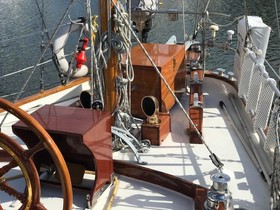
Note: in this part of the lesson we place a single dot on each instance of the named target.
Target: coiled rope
(122, 45)
(215, 160)
(126, 43)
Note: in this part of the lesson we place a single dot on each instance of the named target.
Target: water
(21, 34)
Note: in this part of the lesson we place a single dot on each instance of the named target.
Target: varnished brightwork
(110, 73)
(44, 142)
(30, 197)
(4, 156)
(157, 133)
(196, 112)
(191, 190)
(168, 59)
(51, 91)
(82, 135)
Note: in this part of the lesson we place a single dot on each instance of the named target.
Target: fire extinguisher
(81, 54)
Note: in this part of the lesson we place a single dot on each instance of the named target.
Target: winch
(218, 196)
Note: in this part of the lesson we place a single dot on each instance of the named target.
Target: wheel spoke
(23, 159)
(6, 168)
(30, 152)
(11, 191)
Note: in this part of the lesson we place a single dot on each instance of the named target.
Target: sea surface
(21, 34)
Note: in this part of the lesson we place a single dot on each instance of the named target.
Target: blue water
(20, 32)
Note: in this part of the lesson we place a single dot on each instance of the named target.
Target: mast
(111, 72)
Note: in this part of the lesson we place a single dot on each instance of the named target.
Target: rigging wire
(42, 18)
(20, 37)
(70, 68)
(29, 90)
(91, 51)
(97, 79)
(40, 64)
(277, 17)
(122, 44)
(43, 27)
(47, 30)
(25, 69)
(129, 37)
(184, 21)
(195, 30)
(272, 69)
(43, 53)
(275, 176)
(278, 27)
(207, 5)
(215, 160)
(209, 21)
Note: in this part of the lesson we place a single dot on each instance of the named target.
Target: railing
(262, 99)
(258, 91)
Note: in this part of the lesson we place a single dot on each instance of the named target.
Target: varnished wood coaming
(233, 83)
(191, 190)
(50, 91)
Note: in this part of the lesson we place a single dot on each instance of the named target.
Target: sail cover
(259, 33)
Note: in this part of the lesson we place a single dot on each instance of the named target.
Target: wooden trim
(216, 76)
(50, 91)
(49, 145)
(196, 112)
(189, 189)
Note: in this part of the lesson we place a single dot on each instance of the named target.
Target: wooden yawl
(145, 125)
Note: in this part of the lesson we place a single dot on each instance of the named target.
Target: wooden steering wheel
(22, 158)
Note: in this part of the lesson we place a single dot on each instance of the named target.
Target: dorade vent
(150, 107)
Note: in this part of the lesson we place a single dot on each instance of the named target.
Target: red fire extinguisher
(81, 54)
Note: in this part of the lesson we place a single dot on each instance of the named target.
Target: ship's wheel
(17, 156)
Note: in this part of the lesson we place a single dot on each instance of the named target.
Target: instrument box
(147, 82)
(157, 133)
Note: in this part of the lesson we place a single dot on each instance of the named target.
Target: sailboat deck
(191, 161)
(188, 161)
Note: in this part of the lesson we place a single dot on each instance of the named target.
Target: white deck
(191, 162)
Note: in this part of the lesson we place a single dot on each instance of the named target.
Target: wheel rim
(32, 189)
(46, 142)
